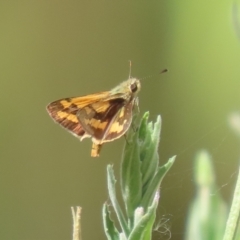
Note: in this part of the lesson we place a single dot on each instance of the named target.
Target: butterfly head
(134, 85)
(130, 87)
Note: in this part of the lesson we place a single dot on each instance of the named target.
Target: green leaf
(131, 177)
(150, 161)
(155, 183)
(109, 227)
(112, 194)
(143, 228)
(142, 131)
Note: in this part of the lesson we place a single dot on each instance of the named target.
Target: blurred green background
(55, 49)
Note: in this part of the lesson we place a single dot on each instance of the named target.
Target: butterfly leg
(96, 150)
(136, 111)
(136, 103)
(125, 136)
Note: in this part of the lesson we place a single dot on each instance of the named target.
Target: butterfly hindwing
(121, 123)
(97, 118)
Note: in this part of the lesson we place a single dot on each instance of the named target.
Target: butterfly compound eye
(133, 87)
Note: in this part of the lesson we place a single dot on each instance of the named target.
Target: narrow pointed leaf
(153, 187)
(113, 198)
(151, 157)
(109, 227)
(131, 178)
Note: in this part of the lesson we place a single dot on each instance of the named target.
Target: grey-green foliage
(208, 213)
(141, 177)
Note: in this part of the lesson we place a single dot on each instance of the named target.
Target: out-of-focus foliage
(208, 212)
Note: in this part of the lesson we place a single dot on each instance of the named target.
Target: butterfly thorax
(127, 89)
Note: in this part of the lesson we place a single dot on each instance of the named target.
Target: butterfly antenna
(130, 69)
(163, 71)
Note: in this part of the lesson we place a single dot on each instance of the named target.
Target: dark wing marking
(66, 117)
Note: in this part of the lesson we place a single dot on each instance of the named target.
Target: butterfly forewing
(66, 116)
(64, 112)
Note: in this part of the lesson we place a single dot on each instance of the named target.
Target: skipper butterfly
(103, 116)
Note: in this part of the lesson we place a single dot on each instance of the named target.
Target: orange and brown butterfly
(103, 116)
